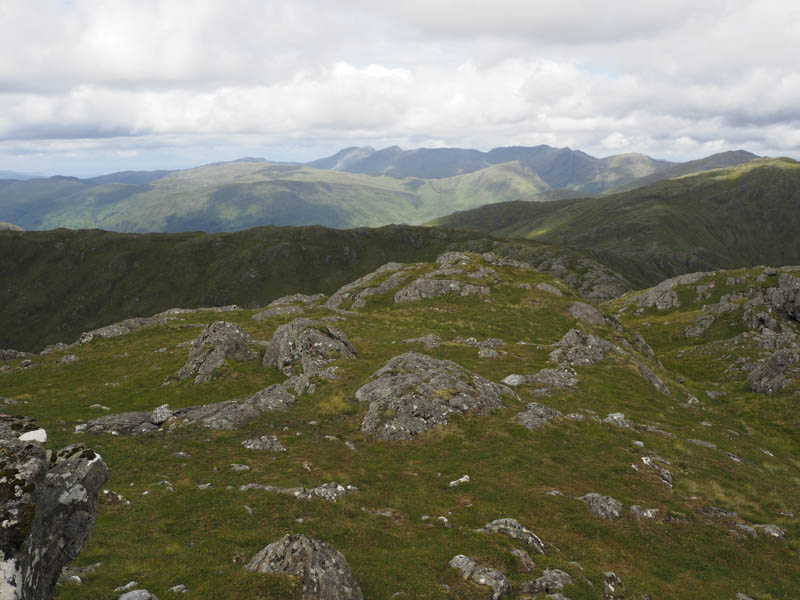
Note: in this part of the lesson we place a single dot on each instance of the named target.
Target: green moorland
(58, 284)
(239, 195)
(740, 216)
(199, 537)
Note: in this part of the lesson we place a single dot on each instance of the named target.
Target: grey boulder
(323, 570)
(219, 341)
(514, 529)
(309, 344)
(48, 508)
(415, 392)
(604, 507)
(482, 575)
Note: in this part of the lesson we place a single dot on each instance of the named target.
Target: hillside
(58, 284)
(469, 414)
(741, 216)
(244, 194)
(721, 160)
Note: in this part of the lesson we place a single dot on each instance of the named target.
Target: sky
(95, 86)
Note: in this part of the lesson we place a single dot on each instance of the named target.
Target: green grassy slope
(199, 537)
(240, 195)
(744, 215)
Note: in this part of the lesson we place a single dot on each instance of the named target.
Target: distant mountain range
(353, 188)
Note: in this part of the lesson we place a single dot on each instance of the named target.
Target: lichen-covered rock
(617, 420)
(786, 297)
(48, 507)
(265, 443)
(663, 296)
(121, 328)
(424, 288)
(330, 492)
(587, 313)
(773, 374)
(535, 416)
(414, 392)
(323, 570)
(219, 415)
(429, 341)
(482, 575)
(550, 289)
(9, 354)
(347, 292)
(308, 300)
(612, 586)
(219, 341)
(604, 507)
(551, 581)
(277, 311)
(577, 348)
(514, 529)
(309, 344)
(654, 379)
(234, 413)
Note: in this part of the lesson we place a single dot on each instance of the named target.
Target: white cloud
(178, 81)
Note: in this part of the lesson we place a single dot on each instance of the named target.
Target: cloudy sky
(93, 86)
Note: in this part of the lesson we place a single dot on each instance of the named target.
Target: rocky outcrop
(577, 348)
(425, 288)
(330, 492)
(306, 346)
(482, 575)
(547, 378)
(9, 354)
(219, 415)
(663, 296)
(430, 341)
(265, 443)
(48, 507)
(347, 293)
(535, 416)
(587, 313)
(786, 297)
(551, 581)
(487, 348)
(324, 572)
(121, 328)
(774, 374)
(604, 507)
(414, 392)
(654, 379)
(219, 341)
(550, 289)
(308, 300)
(514, 529)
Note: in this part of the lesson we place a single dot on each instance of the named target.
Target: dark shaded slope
(57, 284)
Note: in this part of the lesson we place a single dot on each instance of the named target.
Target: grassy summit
(188, 522)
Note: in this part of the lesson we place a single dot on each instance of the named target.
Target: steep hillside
(58, 284)
(721, 160)
(455, 430)
(745, 215)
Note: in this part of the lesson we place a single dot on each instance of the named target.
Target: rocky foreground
(466, 429)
